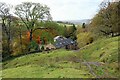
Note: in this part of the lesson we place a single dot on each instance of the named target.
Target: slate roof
(61, 42)
(59, 38)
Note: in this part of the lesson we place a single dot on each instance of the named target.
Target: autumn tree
(107, 19)
(18, 29)
(30, 13)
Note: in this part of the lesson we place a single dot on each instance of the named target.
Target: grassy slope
(103, 50)
(62, 63)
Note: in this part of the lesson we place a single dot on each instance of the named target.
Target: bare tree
(6, 23)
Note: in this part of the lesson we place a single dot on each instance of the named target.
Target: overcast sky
(67, 9)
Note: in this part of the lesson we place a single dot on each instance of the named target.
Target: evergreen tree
(83, 25)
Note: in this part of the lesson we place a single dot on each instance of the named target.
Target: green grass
(104, 50)
(67, 64)
(100, 50)
(44, 72)
(40, 58)
(58, 63)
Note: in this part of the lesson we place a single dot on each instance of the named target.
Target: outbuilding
(67, 43)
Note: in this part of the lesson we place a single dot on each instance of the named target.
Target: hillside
(78, 22)
(98, 59)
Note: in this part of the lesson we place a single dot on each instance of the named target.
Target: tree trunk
(21, 40)
(112, 34)
(31, 31)
(8, 42)
(30, 35)
(9, 37)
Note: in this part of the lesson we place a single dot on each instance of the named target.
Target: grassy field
(68, 25)
(99, 59)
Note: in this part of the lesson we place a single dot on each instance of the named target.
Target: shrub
(18, 48)
(84, 38)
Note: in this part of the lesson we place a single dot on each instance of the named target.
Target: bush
(33, 45)
(17, 48)
(84, 38)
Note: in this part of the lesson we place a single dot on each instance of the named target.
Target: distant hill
(77, 22)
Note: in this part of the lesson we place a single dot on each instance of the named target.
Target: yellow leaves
(14, 44)
(84, 38)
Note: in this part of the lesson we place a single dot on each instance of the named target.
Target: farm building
(67, 43)
(49, 47)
